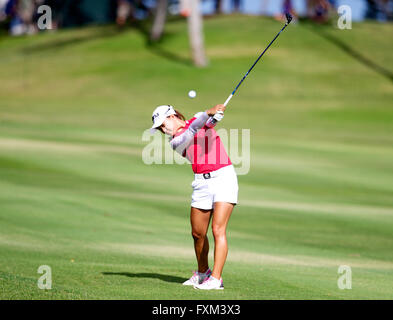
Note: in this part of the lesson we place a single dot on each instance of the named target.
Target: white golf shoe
(210, 283)
(197, 278)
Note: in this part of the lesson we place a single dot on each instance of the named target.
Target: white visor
(159, 116)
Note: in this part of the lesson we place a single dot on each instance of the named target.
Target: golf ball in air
(192, 94)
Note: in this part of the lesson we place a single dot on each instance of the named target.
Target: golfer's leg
(199, 223)
(221, 215)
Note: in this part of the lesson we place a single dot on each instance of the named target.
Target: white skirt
(216, 186)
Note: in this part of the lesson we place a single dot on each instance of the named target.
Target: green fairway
(75, 194)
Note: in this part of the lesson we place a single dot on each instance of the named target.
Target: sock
(205, 271)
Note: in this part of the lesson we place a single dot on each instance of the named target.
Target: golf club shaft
(245, 76)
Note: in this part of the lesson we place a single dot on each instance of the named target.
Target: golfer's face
(168, 126)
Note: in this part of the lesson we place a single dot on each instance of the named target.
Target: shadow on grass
(352, 52)
(155, 48)
(162, 277)
(100, 33)
(143, 27)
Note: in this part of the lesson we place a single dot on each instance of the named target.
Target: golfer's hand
(214, 110)
(218, 116)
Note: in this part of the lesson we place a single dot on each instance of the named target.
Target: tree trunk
(218, 6)
(195, 34)
(159, 20)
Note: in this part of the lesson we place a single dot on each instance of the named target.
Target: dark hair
(178, 115)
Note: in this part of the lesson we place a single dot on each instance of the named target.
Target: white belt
(210, 175)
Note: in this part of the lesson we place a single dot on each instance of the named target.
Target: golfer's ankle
(216, 275)
(203, 269)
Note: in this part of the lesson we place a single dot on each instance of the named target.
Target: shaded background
(68, 13)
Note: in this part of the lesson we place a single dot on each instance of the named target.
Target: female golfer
(215, 187)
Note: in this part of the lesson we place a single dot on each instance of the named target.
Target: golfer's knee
(218, 231)
(197, 234)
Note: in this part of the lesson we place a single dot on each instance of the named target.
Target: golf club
(289, 19)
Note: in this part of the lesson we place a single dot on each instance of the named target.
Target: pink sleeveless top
(206, 152)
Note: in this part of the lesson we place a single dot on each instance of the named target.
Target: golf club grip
(214, 121)
(229, 99)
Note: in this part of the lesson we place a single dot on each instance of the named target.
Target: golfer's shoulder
(198, 114)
